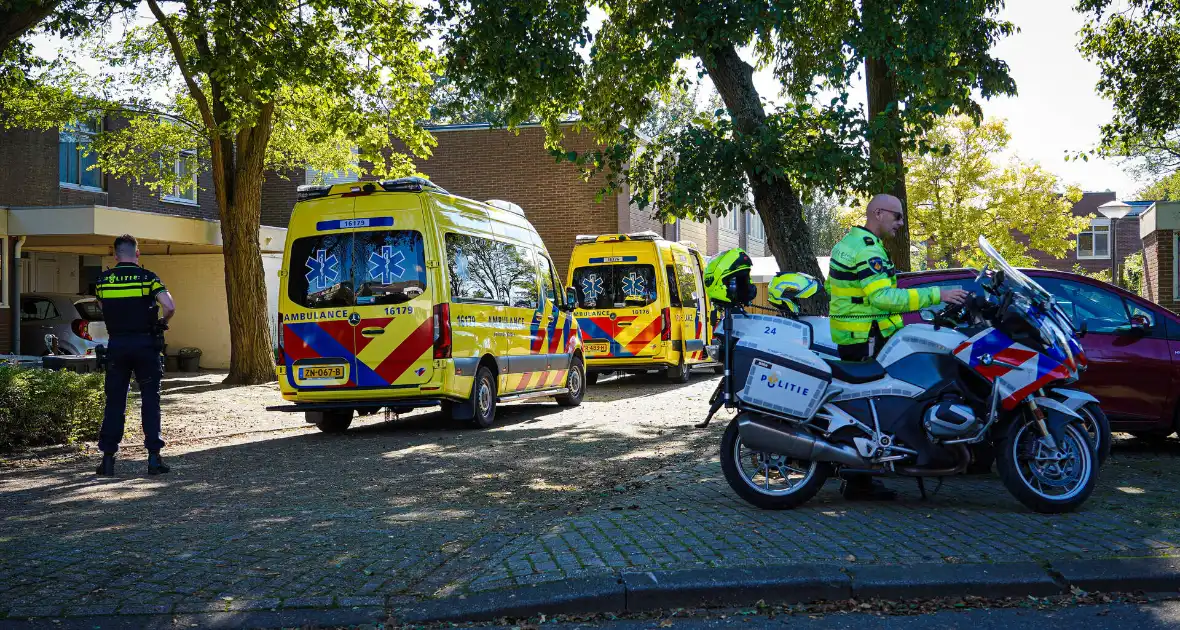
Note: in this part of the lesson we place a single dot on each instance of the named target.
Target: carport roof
(92, 230)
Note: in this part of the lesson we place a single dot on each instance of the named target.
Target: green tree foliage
(961, 192)
(544, 59)
(921, 60)
(251, 86)
(1136, 45)
(531, 52)
(826, 221)
(1166, 188)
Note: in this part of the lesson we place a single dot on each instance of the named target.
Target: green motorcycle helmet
(732, 263)
(785, 288)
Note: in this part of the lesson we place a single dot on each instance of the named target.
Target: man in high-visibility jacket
(866, 304)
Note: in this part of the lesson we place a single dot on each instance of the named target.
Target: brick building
(59, 219)
(1094, 249)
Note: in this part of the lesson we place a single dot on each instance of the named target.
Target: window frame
(72, 132)
(5, 270)
(1094, 222)
(35, 299)
(175, 195)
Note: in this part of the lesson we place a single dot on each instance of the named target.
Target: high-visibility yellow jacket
(862, 284)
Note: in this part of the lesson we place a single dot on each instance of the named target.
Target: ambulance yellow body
(397, 295)
(641, 304)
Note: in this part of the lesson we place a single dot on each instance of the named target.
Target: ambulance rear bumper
(369, 405)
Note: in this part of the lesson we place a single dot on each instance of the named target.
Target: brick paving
(385, 515)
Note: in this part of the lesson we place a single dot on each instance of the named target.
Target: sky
(1056, 109)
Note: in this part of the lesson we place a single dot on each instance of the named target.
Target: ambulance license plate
(598, 347)
(330, 373)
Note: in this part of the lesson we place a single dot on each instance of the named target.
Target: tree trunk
(237, 178)
(16, 22)
(776, 202)
(885, 151)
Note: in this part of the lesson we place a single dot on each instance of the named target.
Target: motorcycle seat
(856, 371)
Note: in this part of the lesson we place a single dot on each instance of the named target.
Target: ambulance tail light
(82, 329)
(442, 331)
(666, 331)
(280, 354)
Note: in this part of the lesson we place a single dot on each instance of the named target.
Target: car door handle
(372, 332)
(624, 323)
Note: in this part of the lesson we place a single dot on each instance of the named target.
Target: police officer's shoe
(107, 467)
(156, 464)
(863, 488)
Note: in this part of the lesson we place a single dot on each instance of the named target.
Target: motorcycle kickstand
(922, 488)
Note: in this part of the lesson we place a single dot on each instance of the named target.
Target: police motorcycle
(985, 374)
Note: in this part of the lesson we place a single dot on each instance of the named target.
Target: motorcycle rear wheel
(768, 480)
(1030, 473)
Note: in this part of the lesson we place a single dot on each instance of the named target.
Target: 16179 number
(399, 310)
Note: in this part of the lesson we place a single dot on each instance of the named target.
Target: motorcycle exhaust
(781, 439)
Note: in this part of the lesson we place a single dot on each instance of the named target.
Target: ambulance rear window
(357, 269)
(615, 286)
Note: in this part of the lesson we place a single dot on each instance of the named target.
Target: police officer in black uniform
(131, 299)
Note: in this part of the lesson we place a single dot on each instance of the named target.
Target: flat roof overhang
(93, 229)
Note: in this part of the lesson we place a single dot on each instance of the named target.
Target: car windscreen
(357, 269)
(615, 286)
(89, 310)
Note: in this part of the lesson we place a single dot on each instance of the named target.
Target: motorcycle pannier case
(784, 380)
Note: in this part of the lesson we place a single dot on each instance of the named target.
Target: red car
(1133, 345)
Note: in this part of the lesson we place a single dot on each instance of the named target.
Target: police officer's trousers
(864, 350)
(131, 354)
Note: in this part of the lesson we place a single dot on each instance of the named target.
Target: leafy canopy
(1136, 46)
(960, 192)
(328, 84)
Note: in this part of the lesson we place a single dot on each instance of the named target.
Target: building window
(754, 227)
(730, 220)
(185, 169)
(1094, 242)
(5, 261)
(77, 165)
(1175, 267)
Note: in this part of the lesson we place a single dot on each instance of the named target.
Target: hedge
(40, 407)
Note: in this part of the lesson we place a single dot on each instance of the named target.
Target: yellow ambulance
(641, 304)
(398, 295)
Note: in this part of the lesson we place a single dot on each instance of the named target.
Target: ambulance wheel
(592, 378)
(678, 373)
(483, 394)
(576, 382)
(331, 421)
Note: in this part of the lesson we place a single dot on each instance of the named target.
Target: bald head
(884, 215)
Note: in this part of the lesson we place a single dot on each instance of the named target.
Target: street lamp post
(1114, 210)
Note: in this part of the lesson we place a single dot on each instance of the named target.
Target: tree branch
(182, 62)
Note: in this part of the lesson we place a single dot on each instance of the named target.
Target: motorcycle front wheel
(1049, 481)
(768, 480)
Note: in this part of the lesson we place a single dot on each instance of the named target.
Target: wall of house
(698, 233)
(196, 282)
(487, 164)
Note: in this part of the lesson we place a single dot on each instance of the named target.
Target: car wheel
(483, 395)
(576, 383)
(332, 420)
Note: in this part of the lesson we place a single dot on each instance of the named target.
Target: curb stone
(1128, 574)
(645, 591)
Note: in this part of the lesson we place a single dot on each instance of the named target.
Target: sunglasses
(897, 216)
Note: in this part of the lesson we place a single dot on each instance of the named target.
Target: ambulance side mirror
(571, 299)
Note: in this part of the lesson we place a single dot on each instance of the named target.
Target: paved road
(1153, 616)
(394, 512)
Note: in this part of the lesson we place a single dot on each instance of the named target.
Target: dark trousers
(866, 349)
(127, 355)
(862, 352)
